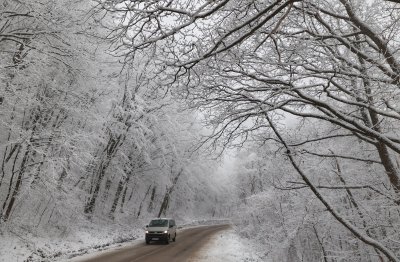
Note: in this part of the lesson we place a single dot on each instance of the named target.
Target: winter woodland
(114, 111)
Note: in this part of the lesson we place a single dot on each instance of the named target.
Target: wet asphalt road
(188, 242)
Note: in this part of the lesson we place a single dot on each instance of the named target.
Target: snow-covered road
(191, 245)
(198, 244)
(223, 245)
(226, 246)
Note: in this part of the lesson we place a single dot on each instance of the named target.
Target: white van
(161, 229)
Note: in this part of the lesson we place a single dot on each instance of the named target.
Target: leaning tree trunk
(105, 161)
(17, 186)
(165, 203)
(123, 199)
(168, 192)
(7, 207)
(141, 203)
(117, 197)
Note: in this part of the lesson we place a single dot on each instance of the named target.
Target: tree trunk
(321, 244)
(116, 197)
(11, 182)
(141, 203)
(105, 161)
(124, 194)
(89, 207)
(17, 186)
(151, 203)
(165, 202)
(371, 119)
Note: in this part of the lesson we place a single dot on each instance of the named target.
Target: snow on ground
(11, 248)
(224, 246)
(227, 246)
(23, 244)
(94, 253)
(20, 245)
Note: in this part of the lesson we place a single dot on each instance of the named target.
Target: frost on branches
(255, 67)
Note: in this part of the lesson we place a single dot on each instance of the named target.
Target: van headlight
(147, 231)
(165, 232)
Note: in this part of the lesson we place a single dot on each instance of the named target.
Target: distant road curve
(188, 242)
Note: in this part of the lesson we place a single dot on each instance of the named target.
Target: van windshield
(158, 223)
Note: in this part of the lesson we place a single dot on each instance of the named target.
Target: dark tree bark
(164, 203)
(141, 203)
(117, 197)
(168, 192)
(17, 186)
(100, 171)
(321, 244)
(152, 198)
(126, 185)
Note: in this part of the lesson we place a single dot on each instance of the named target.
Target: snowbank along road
(188, 242)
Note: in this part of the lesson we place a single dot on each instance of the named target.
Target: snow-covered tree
(250, 64)
(85, 136)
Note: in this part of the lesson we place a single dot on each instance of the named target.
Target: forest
(278, 115)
